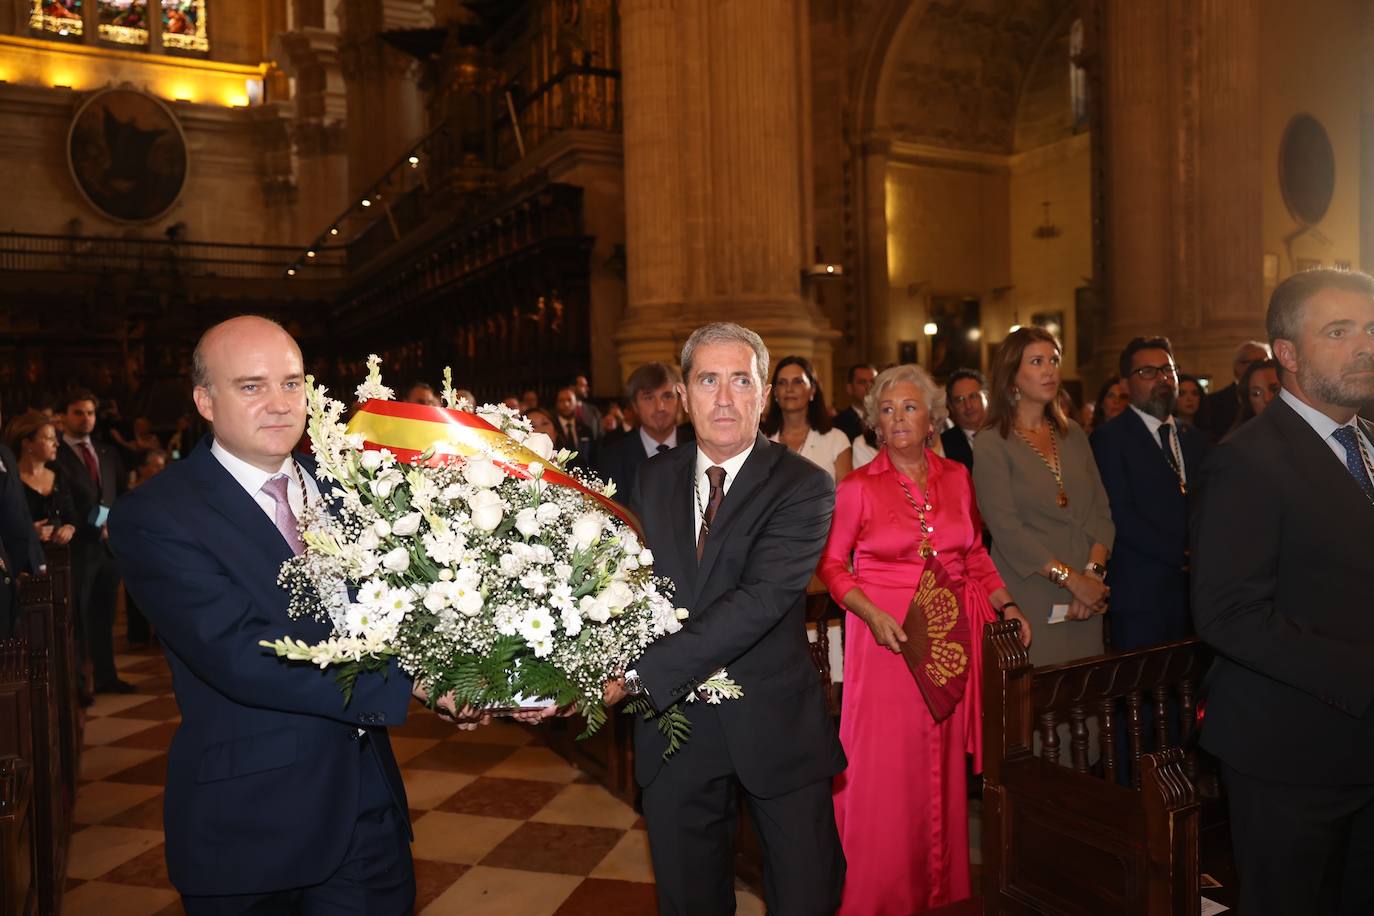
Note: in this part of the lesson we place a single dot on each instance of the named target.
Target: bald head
(235, 331)
(250, 385)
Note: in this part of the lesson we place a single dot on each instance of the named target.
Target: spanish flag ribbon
(410, 430)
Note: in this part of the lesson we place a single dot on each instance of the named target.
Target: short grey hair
(720, 332)
(931, 393)
(1283, 321)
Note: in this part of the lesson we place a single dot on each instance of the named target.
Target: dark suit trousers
(98, 576)
(376, 877)
(691, 812)
(1301, 849)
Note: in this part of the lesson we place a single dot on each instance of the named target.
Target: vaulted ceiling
(956, 69)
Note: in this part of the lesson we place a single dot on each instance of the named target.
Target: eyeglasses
(1150, 373)
(965, 398)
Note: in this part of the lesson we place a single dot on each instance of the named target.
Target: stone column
(385, 105)
(715, 142)
(1181, 131)
(310, 55)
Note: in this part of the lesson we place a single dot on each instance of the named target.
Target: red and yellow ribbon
(410, 430)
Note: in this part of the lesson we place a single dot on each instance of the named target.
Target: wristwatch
(1096, 569)
(633, 685)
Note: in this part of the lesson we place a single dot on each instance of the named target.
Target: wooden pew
(18, 849)
(1060, 835)
(66, 663)
(53, 799)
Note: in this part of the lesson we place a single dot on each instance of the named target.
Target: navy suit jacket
(619, 459)
(957, 447)
(263, 773)
(747, 604)
(1148, 569)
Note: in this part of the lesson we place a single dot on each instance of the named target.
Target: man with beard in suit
(1281, 575)
(737, 523)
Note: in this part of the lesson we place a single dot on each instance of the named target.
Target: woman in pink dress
(902, 805)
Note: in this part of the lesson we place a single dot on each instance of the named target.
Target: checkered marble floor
(503, 825)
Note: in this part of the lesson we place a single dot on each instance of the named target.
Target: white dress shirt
(821, 449)
(1324, 425)
(732, 467)
(651, 444)
(252, 479)
(1153, 424)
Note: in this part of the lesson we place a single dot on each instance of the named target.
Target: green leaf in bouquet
(672, 722)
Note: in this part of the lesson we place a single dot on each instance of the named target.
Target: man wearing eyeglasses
(1148, 461)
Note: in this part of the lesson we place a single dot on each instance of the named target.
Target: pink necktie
(285, 519)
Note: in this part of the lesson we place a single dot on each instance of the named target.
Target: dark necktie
(88, 457)
(664, 447)
(717, 477)
(1354, 460)
(284, 518)
(1165, 438)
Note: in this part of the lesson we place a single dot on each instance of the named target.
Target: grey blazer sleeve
(992, 478)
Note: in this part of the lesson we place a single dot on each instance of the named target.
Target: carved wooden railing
(45, 624)
(1061, 834)
(18, 888)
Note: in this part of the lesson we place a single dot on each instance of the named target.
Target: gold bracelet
(1059, 574)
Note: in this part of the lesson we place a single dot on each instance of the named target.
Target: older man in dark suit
(1217, 413)
(737, 523)
(1281, 577)
(94, 470)
(652, 390)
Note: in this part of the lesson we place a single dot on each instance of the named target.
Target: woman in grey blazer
(1040, 495)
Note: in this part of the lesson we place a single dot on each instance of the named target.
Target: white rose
(396, 560)
(527, 522)
(487, 511)
(368, 540)
(646, 557)
(407, 525)
(630, 541)
(383, 486)
(468, 601)
(617, 596)
(368, 563)
(381, 528)
(540, 444)
(371, 460)
(547, 513)
(586, 528)
(594, 609)
(572, 621)
(436, 600)
(482, 473)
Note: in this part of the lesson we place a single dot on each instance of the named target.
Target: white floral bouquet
(454, 543)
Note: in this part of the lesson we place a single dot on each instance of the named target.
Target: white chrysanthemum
(372, 592)
(537, 624)
(534, 582)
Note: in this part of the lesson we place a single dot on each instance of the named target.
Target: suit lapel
(1314, 459)
(223, 493)
(682, 517)
(751, 477)
(1152, 448)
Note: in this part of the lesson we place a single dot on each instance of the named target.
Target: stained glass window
(183, 25)
(124, 21)
(60, 16)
